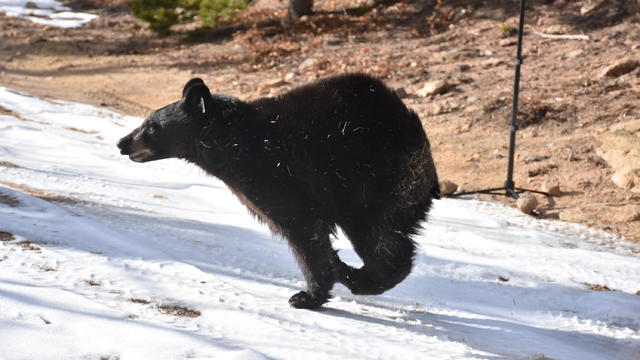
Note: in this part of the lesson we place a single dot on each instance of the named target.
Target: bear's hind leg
(387, 256)
(312, 247)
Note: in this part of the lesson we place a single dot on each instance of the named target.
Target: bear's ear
(197, 99)
(190, 83)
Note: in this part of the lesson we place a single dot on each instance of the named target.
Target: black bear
(343, 151)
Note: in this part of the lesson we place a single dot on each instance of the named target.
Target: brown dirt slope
(573, 98)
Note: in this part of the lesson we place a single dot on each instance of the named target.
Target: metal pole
(509, 187)
(509, 184)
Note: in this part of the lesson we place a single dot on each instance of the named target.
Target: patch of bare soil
(572, 92)
(8, 164)
(6, 236)
(9, 200)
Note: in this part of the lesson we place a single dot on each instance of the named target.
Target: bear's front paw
(304, 300)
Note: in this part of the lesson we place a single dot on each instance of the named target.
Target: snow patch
(45, 12)
(160, 261)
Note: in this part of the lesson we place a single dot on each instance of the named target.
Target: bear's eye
(152, 131)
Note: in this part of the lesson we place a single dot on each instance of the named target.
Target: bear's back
(346, 140)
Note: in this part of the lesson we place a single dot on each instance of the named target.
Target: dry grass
(88, 132)
(40, 193)
(8, 164)
(5, 111)
(596, 287)
(176, 310)
(140, 301)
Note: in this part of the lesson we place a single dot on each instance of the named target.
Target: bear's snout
(123, 145)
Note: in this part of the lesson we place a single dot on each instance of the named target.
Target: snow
(45, 12)
(89, 276)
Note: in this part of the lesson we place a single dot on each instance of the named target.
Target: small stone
(574, 53)
(434, 88)
(464, 68)
(31, 5)
(627, 214)
(527, 203)
(627, 178)
(508, 42)
(289, 76)
(307, 63)
(448, 187)
(620, 68)
(551, 187)
(497, 154)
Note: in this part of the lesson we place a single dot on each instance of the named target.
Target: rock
(627, 214)
(289, 76)
(273, 83)
(627, 178)
(463, 68)
(527, 203)
(508, 42)
(591, 7)
(31, 5)
(448, 187)
(307, 63)
(620, 68)
(551, 187)
(434, 88)
(620, 148)
(497, 154)
(574, 53)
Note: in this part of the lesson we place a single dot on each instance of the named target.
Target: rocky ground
(451, 61)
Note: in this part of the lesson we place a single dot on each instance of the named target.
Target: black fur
(343, 151)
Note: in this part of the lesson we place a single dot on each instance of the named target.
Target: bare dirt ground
(566, 106)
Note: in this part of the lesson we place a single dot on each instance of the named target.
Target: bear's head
(169, 132)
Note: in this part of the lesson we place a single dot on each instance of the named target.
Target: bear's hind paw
(304, 300)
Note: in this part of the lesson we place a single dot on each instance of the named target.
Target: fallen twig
(562, 37)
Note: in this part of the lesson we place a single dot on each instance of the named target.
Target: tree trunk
(298, 8)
